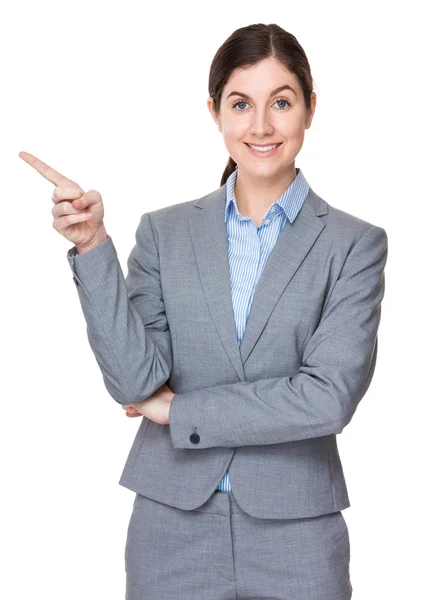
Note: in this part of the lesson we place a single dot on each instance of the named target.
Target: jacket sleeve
(126, 322)
(338, 365)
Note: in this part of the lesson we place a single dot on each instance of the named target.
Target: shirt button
(195, 438)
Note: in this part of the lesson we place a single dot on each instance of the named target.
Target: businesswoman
(244, 336)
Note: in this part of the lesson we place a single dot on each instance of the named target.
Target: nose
(261, 125)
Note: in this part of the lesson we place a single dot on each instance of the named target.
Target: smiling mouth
(264, 151)
(262, 145)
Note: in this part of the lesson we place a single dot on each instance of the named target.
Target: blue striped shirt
(249, 248)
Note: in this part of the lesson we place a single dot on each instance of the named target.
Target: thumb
(88, 199)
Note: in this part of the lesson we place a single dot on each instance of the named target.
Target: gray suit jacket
(268, 409)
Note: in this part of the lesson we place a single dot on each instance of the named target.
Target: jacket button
(195, 438)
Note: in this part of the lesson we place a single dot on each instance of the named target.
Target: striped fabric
(249, 249)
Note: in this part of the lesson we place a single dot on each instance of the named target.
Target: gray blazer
(279, 399)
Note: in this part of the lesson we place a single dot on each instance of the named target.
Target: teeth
(263, 148)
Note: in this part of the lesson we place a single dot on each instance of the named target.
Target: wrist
(100, 237)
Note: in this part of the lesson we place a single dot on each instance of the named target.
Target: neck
(254, 195)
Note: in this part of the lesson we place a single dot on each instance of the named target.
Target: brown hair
(249, 45)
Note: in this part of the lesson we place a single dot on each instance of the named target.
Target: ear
(313, 101)
(210, 104)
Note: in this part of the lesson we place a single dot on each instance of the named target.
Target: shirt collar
(290, 201)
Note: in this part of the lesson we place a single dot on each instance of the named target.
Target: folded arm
(338, 365)
(126, 322)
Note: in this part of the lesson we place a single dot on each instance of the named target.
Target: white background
(114, 96)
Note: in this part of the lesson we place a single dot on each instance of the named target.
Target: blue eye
(244, 102)
(283, 100)
(239, 102)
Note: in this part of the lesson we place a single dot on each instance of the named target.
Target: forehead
(260, 79)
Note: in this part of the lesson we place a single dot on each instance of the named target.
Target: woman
(245, 334)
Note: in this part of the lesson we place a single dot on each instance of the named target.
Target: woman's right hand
(78, 215)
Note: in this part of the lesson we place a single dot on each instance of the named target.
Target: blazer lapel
(289, 251)
(208, 231)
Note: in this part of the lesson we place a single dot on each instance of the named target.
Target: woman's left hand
(155, 407)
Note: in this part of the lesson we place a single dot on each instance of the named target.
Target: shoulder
(171, 220)
(181, 209)
(340, 224)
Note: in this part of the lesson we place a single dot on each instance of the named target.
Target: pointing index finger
(45, 170)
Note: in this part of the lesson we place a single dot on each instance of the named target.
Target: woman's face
(250, 113)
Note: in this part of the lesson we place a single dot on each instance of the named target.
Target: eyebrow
(276, 91)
